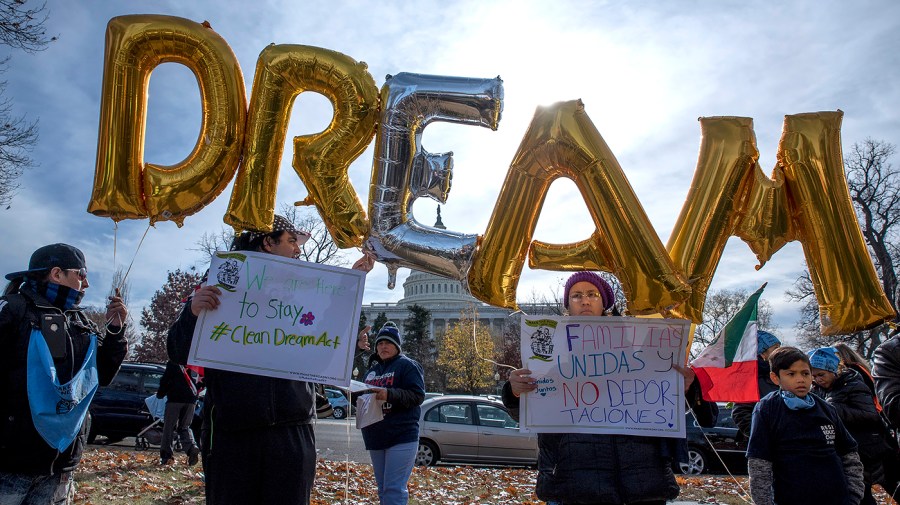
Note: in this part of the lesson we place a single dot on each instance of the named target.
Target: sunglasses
(82, 272)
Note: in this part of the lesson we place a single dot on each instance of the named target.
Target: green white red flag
(727, 369)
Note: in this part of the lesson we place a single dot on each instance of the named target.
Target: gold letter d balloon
(124, 186)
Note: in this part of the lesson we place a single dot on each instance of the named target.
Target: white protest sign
(280, 317)
(604, 375)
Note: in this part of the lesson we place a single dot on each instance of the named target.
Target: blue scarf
(58, 295)
(794, 402)
(58, 410)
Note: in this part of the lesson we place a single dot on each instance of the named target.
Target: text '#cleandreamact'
(244, 335)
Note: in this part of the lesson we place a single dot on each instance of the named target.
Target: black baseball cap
(54, 255)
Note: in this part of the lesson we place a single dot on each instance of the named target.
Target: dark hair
(14, 285)
(849, 356)
(783, 357)
(247, 242)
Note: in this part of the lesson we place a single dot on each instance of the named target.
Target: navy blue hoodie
(405, 383)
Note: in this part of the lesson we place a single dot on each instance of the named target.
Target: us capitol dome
(445, 299)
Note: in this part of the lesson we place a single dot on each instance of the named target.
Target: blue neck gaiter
(59, 296)
(794, 402)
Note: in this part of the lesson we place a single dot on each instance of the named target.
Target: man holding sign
(591, 385)
(257, 442)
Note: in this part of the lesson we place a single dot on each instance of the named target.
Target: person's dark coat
(886, 373)
(239, 401)
(175, 387)
(405, 382)
(587, 468)
(22, 450)
(855, 404)
(742, 413)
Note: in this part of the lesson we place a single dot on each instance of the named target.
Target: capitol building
(446, 299)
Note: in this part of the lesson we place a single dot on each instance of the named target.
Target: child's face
(797, 379)
(823, 378)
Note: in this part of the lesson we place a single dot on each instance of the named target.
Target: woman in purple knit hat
(597, 468)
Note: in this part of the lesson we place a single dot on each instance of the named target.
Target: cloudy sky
(645, 71)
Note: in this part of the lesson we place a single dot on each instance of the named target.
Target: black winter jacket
(855, 405)
(174, 385)
(742, 413)
(239, 401)
(886, 373)
(22, 450)
(586, 468)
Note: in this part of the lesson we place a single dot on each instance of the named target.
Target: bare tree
(21, 27)
(720, 307)
(875, 191)
(320, 248)
(210, 242)
(874, 186)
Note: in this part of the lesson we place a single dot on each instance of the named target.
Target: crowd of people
(822, 413)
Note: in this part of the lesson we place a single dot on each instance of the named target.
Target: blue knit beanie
(825, 358)
(390, 333)
(606, 291)
(764, 340)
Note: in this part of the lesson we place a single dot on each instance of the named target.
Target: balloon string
(744, 492)
(349, 442)
(115, 244)
(475, 342)
(124, 277)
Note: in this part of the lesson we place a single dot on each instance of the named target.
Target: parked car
(339, 403)
(472, 429)
(118, 410)
(724, 439)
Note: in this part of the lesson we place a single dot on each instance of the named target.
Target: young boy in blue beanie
(795, 435)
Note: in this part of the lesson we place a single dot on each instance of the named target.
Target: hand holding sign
(520, 381)
(206, 298)
(688, 374)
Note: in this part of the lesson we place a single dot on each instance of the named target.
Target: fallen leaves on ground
(117, 476)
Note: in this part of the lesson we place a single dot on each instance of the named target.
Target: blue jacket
(405, 383)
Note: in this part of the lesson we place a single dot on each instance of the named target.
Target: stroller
(151, 435)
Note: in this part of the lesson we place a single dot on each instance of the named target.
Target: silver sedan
(472, 429)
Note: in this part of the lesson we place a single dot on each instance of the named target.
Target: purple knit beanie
(606, 291)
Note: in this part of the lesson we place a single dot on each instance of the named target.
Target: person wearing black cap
(392, 443)
(257, 442)
(52, 360)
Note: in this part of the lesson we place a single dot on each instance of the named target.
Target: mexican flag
(727, 368)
